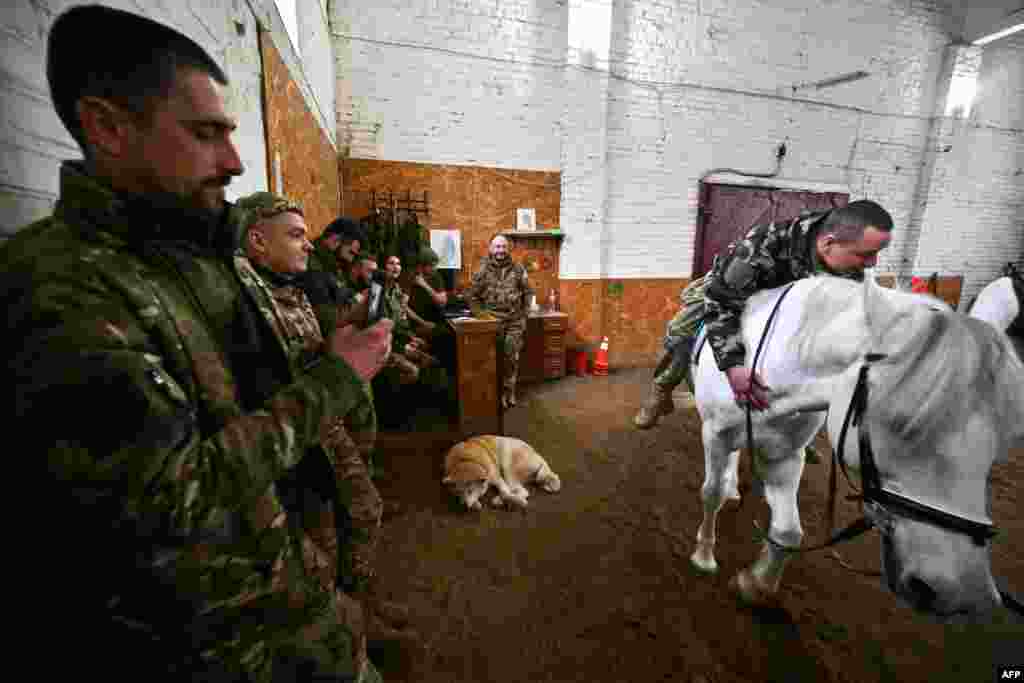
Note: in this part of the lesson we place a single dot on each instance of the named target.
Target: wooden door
(727, 211)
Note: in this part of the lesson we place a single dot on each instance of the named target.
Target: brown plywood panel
(478, 201)
(309, 164)
(635, 313)
(477, 377)
(581, 299)
(948, 288)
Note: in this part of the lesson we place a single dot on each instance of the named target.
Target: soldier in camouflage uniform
(501, 287)
(336, 249)
(425, 308)
(274, 234)
(327, 280)
(842, 241)
(170, 406)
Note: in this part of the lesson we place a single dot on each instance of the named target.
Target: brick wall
(975, 207)
(451, 81)
(33, 141)
(301, 96)
(694, 85)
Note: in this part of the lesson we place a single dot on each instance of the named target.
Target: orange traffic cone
(601, 359)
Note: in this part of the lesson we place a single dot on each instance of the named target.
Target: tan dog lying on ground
(474, 465)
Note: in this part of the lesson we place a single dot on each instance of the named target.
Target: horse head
(944, 398)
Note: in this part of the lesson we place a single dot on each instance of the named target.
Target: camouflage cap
(261, 205)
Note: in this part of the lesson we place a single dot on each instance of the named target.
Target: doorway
(726, 212)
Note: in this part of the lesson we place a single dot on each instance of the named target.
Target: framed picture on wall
(526, 219)
(448, 246)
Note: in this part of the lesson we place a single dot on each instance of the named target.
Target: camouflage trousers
(339, 506)
(303, 627)
(357, 522)
(511, 337)
(680, 333)
(329, 645)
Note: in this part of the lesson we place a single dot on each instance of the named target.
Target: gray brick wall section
(33, 141)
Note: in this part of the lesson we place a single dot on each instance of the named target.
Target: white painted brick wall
(453, 81)
(586, 248)
(974, 221)
(318, 62)
(312, 69)
(33, 141)
(695, 85)
(720, 93)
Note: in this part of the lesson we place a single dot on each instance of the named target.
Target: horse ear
(881, 314)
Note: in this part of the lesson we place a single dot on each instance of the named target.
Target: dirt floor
(594, 583)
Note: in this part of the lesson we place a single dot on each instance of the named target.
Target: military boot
(659, 403)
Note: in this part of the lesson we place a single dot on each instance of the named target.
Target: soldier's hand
(365, 351)
(748, 387)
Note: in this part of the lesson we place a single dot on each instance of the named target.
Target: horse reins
(876, 501)
(753, 371)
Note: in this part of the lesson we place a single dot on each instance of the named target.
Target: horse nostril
(923, 595)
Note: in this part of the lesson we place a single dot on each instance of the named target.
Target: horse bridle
(877, 502)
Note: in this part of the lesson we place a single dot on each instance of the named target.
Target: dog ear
(446, 480)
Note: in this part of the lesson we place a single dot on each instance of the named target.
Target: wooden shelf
(530, 234)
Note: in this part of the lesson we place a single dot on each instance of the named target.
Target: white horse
(997, 304)
(945, 400)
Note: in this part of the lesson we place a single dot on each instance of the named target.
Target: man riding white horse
(842, 241)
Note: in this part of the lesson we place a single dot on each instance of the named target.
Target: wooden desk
(477, 382)
(543, 355)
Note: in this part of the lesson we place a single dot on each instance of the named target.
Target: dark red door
(728, 211)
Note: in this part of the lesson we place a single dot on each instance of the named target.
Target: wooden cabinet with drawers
(543, 355)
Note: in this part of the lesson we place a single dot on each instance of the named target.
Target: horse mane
(944, 362)
(949, 363)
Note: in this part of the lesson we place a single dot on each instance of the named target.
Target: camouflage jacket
(328, 289)
(421, 302)
(121, 338)
(288, 308)
(502, 288)
(323, 259)
(769, 255)
(392, 309)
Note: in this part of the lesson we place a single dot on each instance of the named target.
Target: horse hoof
(749, 593)
(703, 560)
(733, 495)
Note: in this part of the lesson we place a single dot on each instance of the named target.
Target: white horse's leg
(719, 465)
(760, 582)
(732, 477)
